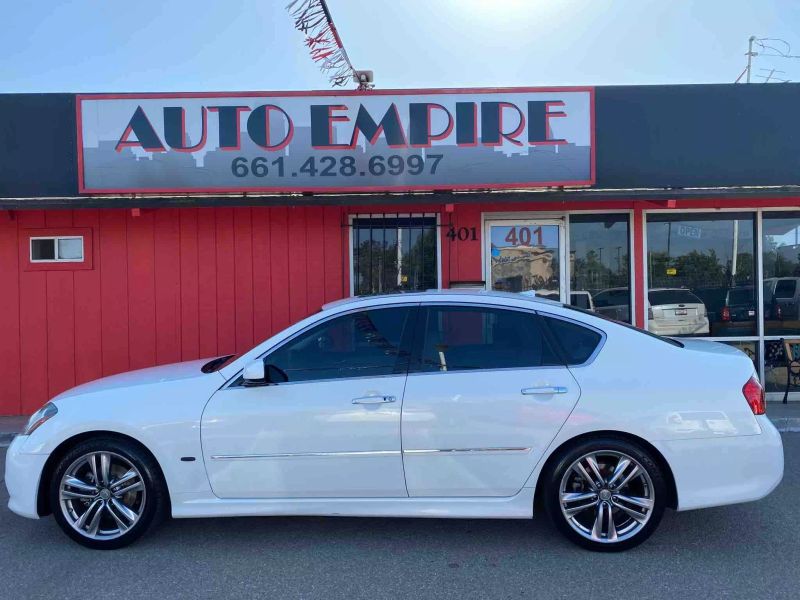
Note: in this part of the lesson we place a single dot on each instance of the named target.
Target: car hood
(160, 374)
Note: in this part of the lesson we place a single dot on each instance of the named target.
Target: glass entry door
(526, 255)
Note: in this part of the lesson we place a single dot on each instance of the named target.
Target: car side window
(458, 338)
(367, 343)
(577, 343)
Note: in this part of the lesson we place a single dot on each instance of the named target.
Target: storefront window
(781, 256)
(394, 253)
(524, 256)
(599, 264)
(701, 274)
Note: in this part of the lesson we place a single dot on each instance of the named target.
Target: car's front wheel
(606, 494)
(106, 492)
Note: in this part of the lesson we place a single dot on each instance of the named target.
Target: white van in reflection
(676, 311)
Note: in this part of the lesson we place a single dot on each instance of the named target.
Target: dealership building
(143, 229)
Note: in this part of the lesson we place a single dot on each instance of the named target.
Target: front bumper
(726, 470)
(23, 472)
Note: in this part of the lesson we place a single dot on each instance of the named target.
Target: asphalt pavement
(745, 551)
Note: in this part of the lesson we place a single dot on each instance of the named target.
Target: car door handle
(545, 389)
(374, 399)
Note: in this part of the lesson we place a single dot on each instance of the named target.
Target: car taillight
(650, 312)
(754, 394)
(725, 313)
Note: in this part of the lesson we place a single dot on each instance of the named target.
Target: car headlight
(47, 412)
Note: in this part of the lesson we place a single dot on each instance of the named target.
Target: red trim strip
(295, 93)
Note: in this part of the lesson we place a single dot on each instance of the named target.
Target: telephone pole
(750, 55)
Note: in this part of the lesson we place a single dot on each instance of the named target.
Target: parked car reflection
(676, 311)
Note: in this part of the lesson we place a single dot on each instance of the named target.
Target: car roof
(478, 296)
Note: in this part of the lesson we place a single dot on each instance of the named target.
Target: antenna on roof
(774, 47)
(313, 19)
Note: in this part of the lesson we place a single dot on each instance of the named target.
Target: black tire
(152, 502)
(653, 483)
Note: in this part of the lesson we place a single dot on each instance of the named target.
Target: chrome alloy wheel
(606, 496)
(102, 495)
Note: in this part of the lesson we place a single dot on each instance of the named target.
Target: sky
(233, 45)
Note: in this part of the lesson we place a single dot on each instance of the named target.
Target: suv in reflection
(740, 305)
(676, 311)
(784, 293)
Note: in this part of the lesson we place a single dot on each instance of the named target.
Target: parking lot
(742, 551)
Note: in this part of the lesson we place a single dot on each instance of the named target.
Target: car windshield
(659, 297)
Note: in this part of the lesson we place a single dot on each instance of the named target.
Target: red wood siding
(183, 283)
(167, 285)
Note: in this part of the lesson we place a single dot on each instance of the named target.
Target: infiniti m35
(435, 404)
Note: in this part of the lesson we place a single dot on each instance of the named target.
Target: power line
(771, 47)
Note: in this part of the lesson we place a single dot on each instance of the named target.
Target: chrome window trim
(529, 311)
(231, 383)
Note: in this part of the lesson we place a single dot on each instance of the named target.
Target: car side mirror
(259, 373)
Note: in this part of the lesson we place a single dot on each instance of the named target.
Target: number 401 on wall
(462, 234)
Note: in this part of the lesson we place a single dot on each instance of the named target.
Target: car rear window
(577, 343)
(659, 297)
(785, 288)
(741, 296)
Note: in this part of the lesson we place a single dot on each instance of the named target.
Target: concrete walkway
(785, 416)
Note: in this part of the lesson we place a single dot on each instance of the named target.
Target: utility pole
(750, 55)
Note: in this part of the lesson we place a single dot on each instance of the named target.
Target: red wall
(178, 284)
(167, 285)
(172, 284)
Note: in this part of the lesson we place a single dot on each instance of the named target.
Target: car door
(486, 394)
(332, 429)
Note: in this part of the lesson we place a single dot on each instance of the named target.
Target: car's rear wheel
(606, 494)
(106, 492)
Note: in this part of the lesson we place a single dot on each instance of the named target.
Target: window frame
(351, 241)
(406, 340)
(56, 239)
(25, 249)
(419, 339)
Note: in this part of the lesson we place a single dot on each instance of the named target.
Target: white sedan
(438, 404)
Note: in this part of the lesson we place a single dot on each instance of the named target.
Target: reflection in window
(781, 256)
(701, 274)
(394, 253)
(465, 338)
(600, 265)
(362, 344)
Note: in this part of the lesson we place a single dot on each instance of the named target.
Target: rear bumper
(726, 470)
(23, 471)
(664, 328)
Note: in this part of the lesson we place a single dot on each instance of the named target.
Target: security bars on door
(394, 253)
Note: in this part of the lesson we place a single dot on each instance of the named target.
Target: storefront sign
(387, 140)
